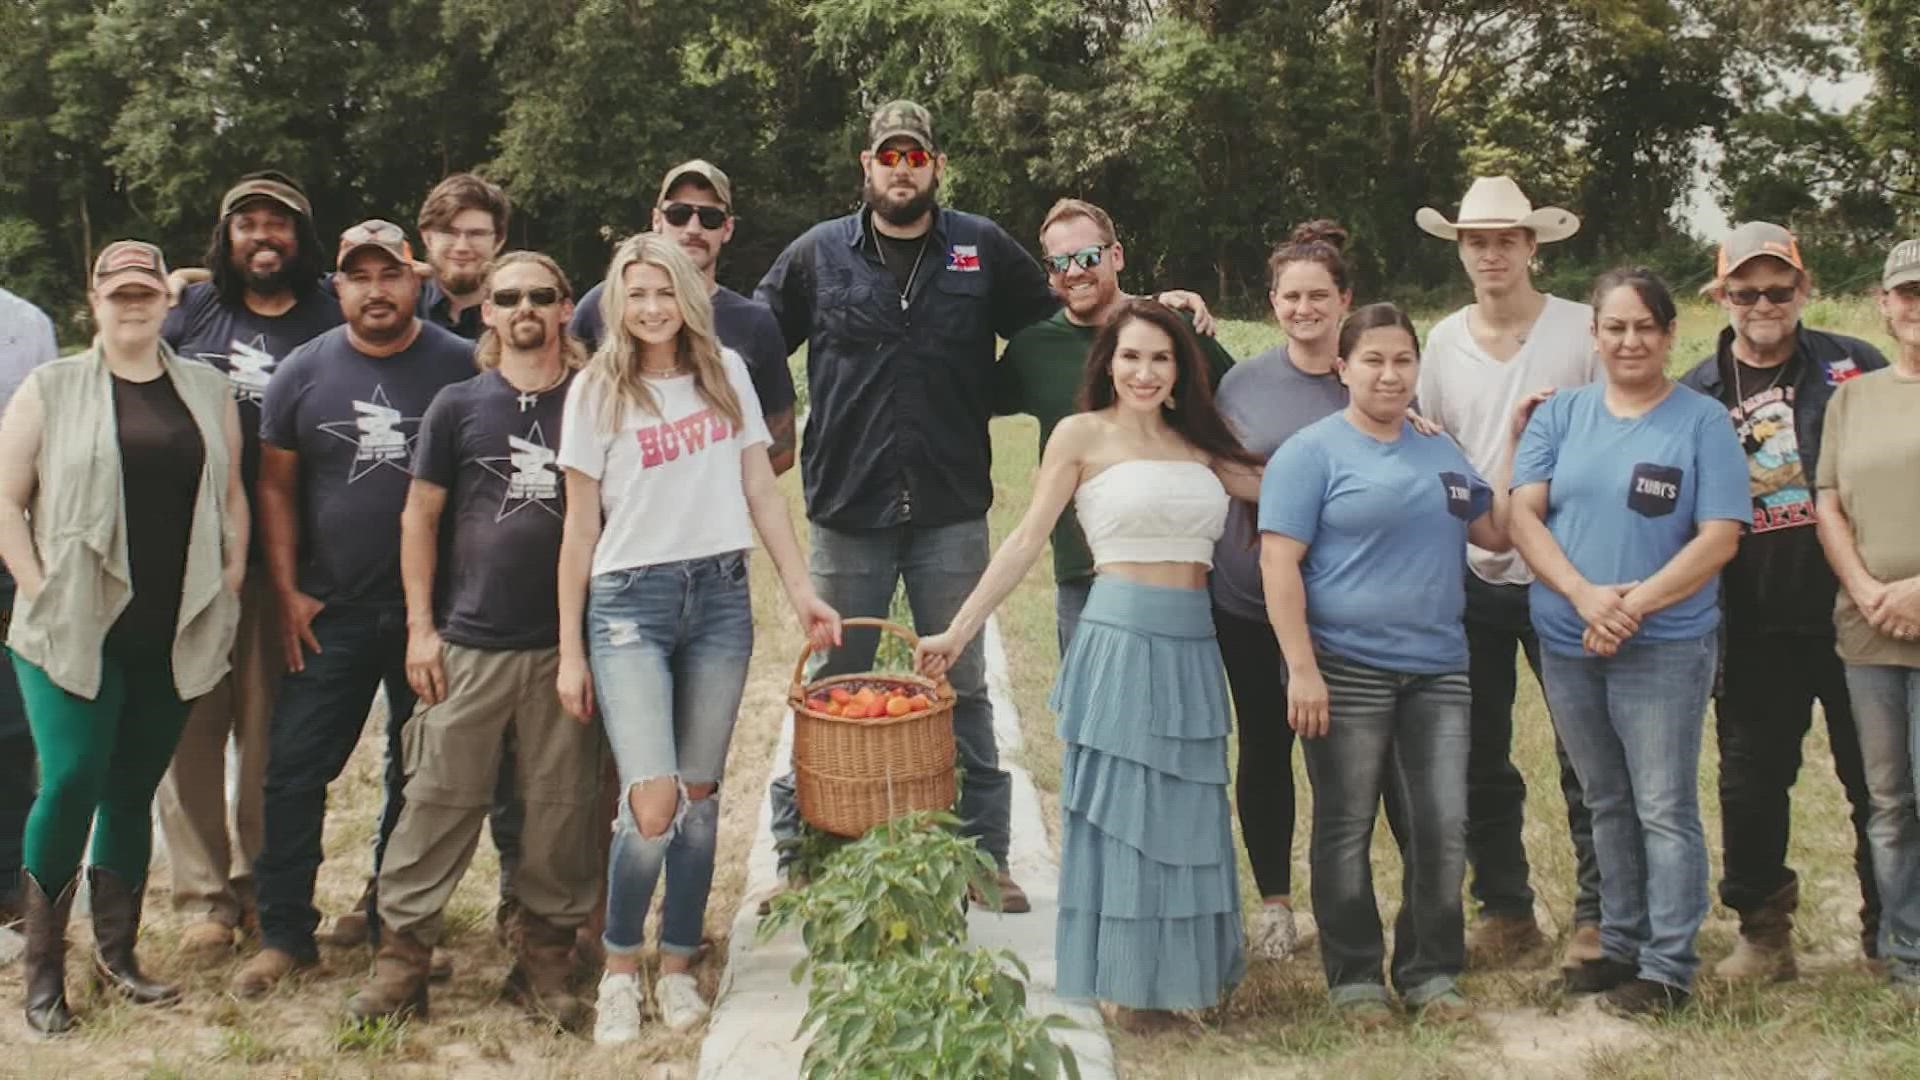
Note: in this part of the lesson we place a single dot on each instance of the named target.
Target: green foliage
(899, 890)
(380, 1037)
(937, 1013)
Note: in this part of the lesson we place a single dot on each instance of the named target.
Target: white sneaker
(617, 1014)
(1274, 935)
(678, 998)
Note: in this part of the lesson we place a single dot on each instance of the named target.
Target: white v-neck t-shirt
(1473, 396)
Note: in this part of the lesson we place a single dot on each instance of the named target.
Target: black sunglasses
(544, 296)
(1086, 259)
(1777, 295)
(679, 213)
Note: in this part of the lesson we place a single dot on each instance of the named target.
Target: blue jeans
(1069, 600)
(1405, 738)
(1886, 711)
(669, 646)
(316, 724)
(1632, 724)
(856, 573)
(1497, 624)
(17, 784)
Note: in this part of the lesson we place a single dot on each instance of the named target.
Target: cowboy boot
(543, 972)
(116, 926)
(398, 988)
(45, 960)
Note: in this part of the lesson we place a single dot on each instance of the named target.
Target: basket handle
(894, 628)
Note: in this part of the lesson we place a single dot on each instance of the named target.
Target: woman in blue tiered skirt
(1149, 897)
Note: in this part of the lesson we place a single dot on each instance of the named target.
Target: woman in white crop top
(1149, 901)
(665, 454)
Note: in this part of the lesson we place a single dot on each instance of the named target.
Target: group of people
(305, 486)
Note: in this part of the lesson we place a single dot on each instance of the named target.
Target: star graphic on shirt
(376, 436)
(248, 364)
(530, 472)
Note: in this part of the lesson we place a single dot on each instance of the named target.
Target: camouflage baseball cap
(1752, 240)
(375, 233)
(900, 119)
(1903, 265)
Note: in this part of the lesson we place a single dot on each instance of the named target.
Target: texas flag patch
(1841, 370)
(964, 257)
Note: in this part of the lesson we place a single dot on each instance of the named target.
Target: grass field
(1837, 1021)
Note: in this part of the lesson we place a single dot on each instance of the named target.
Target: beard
(270, 283)
(460, 282)
(900, 211)
(527, 334)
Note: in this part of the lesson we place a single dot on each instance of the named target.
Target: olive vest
(80, 530)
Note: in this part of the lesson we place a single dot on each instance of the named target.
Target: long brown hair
(617, 362)
(1189, 408)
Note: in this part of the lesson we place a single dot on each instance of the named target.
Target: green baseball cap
(900, 119)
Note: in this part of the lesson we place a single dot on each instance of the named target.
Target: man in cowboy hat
(1480, 361)
(1775, 377)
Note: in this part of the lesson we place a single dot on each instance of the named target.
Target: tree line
(1207, 127)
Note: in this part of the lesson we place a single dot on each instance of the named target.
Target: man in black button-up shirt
(899, 305)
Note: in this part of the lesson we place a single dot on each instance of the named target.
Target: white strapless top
(1152, 511)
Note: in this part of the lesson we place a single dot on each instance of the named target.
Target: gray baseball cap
(1903, 265)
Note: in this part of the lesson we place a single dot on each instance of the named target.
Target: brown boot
(116, 926)
(268, 968)
(354, 927)
(1765, 948)
(398, 988)
(1013, 898)
(207, 941)
(542, 977)
(45, 961)
(1582, 945)
(1498, 940)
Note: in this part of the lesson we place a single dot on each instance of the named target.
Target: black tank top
(161, 455)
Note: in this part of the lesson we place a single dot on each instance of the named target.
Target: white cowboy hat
(1496, 202)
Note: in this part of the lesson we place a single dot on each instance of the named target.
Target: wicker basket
(851, 774)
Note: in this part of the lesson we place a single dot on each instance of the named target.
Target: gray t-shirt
(26, 342)
(1266, 399)
(353, 419)
(493, 449)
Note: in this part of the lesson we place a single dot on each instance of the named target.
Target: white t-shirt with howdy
(1473, 396)
(670, 485)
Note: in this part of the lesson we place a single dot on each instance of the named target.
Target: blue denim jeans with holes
(1632, 725)
(1886, 711)
(668, 646)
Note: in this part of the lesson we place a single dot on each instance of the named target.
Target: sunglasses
(915, 159)
(1086, 259)
(679, 213)
(544, 296)
(1777, 296)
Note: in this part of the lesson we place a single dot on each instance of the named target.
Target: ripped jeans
(668, 645)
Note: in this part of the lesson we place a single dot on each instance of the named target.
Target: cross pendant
(528, 401)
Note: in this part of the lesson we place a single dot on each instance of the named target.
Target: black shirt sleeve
(772, 378)
(787, 291)
(436, 452)
(1021, 296)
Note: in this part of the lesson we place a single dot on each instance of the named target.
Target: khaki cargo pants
(452, 757)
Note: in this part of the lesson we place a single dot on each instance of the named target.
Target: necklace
(529, 398)
(1779, 370)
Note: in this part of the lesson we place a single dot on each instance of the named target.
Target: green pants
(100, 762)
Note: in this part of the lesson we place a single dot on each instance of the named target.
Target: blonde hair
(486, 355)
(616, 364)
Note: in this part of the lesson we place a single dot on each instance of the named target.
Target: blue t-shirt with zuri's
(354, 420)
(1385, 524)
(1624, 495)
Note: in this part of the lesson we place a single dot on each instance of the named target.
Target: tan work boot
(1498, 940)
(1013, 899)
(398, 988)
(542, 977)
(206, 941)
(1582, 945)
(258, 976)
(353, 928)
(790, 881)
(1765, 949)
